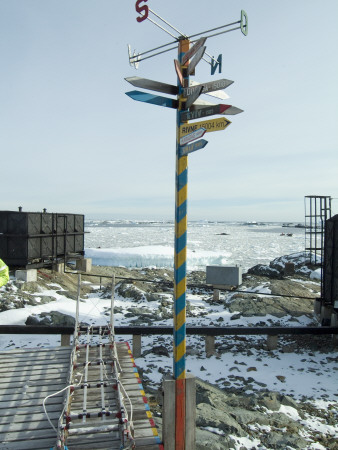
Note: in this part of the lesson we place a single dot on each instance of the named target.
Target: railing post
(112, 306)
(137, 349)
(272, 342)
(209, 345)
(65, 340)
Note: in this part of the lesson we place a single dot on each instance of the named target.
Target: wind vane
(144, 10)
(189, 106)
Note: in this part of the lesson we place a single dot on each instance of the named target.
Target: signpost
(144, 83)
(209, 125)
(180, 431)
(196, 59)
(193, 97)
(198, 145)
(208, 87)
(198, 44)
(154, 99)
(192, 136)
(209, 111)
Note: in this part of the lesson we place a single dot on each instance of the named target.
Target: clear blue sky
(72, 141)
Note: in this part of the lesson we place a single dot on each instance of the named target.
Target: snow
(243, 362)
(145, 243)
(152, 256)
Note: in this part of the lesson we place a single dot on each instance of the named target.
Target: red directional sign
(205, 111)
(179, 72)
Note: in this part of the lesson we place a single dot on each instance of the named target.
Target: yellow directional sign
(209, 125)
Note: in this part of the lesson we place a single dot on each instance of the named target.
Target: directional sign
(193, 97)
(208, 125)
(192, 136)
(179, 72)
(208, 87)
(154, 99)
(196, 59)
(153, 85)
(211, 110)
(198, 44)
(198, 145)
(218, 94)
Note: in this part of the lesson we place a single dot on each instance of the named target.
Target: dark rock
(265, 271)
(53, 319)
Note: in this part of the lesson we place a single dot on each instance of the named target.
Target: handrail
(158, 330)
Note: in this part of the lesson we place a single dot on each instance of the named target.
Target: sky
(72, 141)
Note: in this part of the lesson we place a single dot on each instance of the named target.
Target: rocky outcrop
(52, 318)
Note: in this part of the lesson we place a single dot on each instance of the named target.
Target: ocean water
(151, 243)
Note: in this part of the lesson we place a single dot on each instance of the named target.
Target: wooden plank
(41, 424)
(47, 350)
(48, 388)
(27, 410)
(32, 444)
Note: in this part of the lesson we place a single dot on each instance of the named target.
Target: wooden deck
(27, 376)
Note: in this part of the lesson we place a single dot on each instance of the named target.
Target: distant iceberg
(153, 256)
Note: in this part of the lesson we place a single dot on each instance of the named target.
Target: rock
(53, 318)
(289, 401)
(207, 416)
(206, 440)
(265, 271)
(271, 401)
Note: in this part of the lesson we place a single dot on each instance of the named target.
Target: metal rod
(112, 306)
(151, 56)
(163, 20)
(159, 26)
(153, 49)
(86, 377)
(223, 32)
(213, 29)
(103, 406)
(77, 307)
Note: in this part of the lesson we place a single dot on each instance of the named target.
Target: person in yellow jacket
(4, 273)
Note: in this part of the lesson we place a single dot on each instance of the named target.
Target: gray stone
(53, 318)
(208, 416)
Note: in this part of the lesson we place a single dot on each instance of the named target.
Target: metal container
(34, 239)
(330, 266)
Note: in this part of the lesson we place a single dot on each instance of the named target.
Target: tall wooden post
(180, 279)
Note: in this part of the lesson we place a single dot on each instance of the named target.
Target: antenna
(136, 58)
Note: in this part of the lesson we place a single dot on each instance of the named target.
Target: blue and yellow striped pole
(180, 270)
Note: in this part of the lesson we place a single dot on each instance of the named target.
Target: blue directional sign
(198, 145)
(154, 99)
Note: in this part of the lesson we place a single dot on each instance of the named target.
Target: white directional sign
(192, 136)
(208, 87)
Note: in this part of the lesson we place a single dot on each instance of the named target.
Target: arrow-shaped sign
(198, 145)
(208, 87)
(198, 44)
(154, 99)
(193, 97)
(208, 125)
(218, 94)
(179, 72)
(196, 59)
(144, 83)
(205, 111)
(192, 136)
